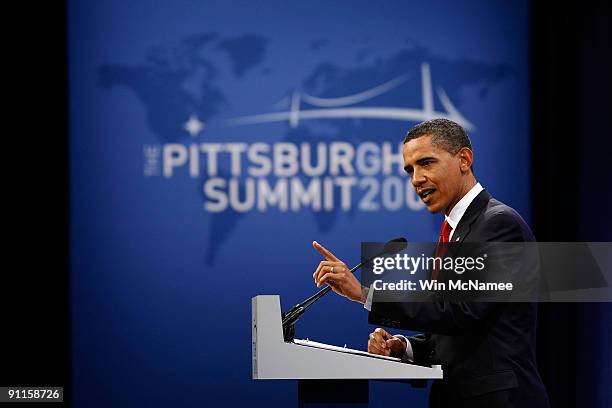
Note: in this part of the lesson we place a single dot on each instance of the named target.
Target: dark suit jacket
(486, 349)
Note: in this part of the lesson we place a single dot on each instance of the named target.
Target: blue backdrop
(210, 144)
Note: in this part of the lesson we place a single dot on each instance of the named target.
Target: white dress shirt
(453, 220)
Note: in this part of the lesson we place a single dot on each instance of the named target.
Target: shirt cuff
(408, 354)
(368, 303)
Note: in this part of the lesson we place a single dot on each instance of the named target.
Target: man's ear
(466, 157)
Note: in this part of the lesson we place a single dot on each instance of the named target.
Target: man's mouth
(426, 193)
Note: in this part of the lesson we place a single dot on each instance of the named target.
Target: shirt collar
(459, 209)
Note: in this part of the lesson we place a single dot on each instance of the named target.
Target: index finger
(325, 252)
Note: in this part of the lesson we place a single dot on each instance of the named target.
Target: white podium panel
(274, 359)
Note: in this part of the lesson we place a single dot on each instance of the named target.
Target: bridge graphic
(335, 108)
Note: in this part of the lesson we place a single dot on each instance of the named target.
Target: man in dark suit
(486, 349)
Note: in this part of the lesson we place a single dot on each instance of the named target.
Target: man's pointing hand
(335, 273)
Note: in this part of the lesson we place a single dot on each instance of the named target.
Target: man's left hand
(335, 273)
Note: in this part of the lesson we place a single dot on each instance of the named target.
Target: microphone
(289, 318)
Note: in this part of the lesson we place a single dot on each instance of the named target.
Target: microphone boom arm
(290, 317)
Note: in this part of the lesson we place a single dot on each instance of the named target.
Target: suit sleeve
(420, 349)
(436, 316)
(439, 315)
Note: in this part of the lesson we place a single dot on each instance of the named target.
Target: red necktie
(441, 248)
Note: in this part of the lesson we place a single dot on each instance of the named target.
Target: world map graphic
(174, 83)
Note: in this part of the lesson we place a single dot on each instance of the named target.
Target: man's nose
(417, 178)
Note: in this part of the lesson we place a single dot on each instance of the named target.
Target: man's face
(435, 174)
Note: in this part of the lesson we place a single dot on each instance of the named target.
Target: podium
(310, 362)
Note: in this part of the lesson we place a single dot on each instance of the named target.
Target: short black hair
(445, 134)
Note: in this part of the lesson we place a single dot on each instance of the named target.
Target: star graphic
(193, 126)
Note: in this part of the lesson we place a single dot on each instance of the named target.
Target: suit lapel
(475, 208)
